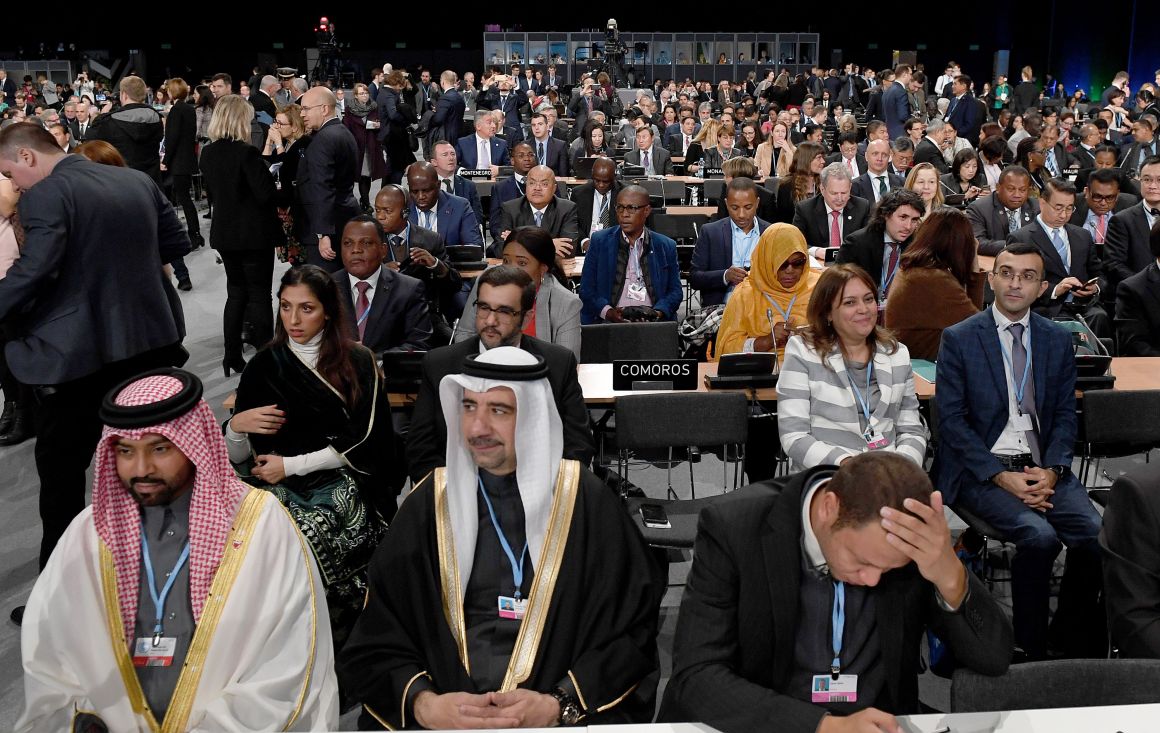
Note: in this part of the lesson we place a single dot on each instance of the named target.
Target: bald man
(326, 178)
(877, 179)
(539, 206)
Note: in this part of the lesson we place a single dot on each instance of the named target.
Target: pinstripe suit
(818, 415)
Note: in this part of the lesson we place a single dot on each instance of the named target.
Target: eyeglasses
(1061, 209)
(1028, 276)
(313, 106)
(1103, 197)
(279, 123)
(503, 312)
(621, 208)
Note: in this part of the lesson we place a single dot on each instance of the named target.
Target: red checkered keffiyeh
(217, 494)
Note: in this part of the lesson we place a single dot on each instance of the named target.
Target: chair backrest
(714, 190)
(1122, 416)
(681, 419)
(1058, 684)
(601, 343)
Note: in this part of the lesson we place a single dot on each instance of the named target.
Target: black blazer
(766, 205)
(89, 280)
(859, 158)
(1138, 313)
(810, 217)
(326, 178)
(1126, 247)
(560, 217)
(989, 221)
(427, 436)
(733, 654)
(1123, 201)
(180, 140)
(245, 214)
(863, 186)
(556, 155)
(448, 117)
(583, 197)
(928, 152)
(398, 318)
(784, 205)
(1085, 262)
(261, 102)
(440, 291)
(1130, 540)
(865, 248)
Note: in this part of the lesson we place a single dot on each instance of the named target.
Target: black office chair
(601, 343)
(1116, 423)
(1063, 683)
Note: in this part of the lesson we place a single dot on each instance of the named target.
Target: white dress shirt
(1013, 440)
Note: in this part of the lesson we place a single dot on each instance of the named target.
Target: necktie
(447, 185)
(1012, 221)
(484, 154)
(882, 190)
(891, 269)
(604, 219)
(361, 305)
(396, 241)
(1061, 248)
(1027, 404)
(540, 152)
(835, 230)
(1101, 228)
(644, 160)
(687, 141)
(951, 109)
(1050, 163)
(853, 168)
(588, 100)
(539, 215)
(427, 217)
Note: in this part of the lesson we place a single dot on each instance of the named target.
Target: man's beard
(162, 497)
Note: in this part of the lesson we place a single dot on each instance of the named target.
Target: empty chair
(1063, 683)
(601, 343)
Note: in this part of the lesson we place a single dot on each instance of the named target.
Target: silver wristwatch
(570, 712)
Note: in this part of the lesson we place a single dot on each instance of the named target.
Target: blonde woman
(775, 155)
(923, 179)
(245, 228)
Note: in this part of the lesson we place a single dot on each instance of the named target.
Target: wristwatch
(1059, 470)
(570, 712)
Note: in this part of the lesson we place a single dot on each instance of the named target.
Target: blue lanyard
(784, 313)
(159, 598)
(838, 618)
(517, 567)
(865, 405)
(1022, 386)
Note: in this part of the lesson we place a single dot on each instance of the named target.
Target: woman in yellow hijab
(778, 289)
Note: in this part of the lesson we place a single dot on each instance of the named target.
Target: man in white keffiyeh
(172, 563)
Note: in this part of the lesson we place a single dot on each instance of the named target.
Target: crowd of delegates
(848, 248)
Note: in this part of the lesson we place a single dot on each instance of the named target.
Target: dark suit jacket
(439, 291)
(260, 101)
(1130, 158)
(865, 248)
(1085, 261)
(89, 281)
(559, 218)
(928, 152)
(712, 256)
(988, 219)
(515, 108)
(966, 118)
(895, 109)
(427, 435)
(136, 131)
(468, 154)
(766, 205)
(662, 161)
(245, 214)
(465, 189)
(1126, 248)
(1130, 539)
(180, 140)
(1138, 313)
(874, 104)
(555, 156)
(972, 399)
(398, 319)
(1085, 159)
(503, 191)
(1123, 201)
(326, 178)
(810, 217)
(583, 196)
(1024, 97)
(578, 110)
(863, 186)
(454, 218)
(859, 158)
(733, 655)
(448, 115)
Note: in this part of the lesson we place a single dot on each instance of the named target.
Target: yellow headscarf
(746, 315)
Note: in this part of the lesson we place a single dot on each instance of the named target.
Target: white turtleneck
(320, 460)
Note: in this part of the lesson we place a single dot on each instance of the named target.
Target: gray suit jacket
(990, 225)
(88, 289)
(662, 161)
(557, 316)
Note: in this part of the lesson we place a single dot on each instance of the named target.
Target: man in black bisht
(506, 593)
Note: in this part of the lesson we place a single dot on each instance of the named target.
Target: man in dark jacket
(326, 178)
(449, 109)
(135, 129)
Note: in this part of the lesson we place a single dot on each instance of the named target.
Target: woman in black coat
(245, 226)
(285, 147)
(362, 119)
(396, 113)
(181, 154)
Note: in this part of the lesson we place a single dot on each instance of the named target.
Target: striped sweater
(819, 417)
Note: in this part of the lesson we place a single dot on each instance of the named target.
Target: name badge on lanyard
(874, 439)
(835, 686)
(513, 606)
(158, 650)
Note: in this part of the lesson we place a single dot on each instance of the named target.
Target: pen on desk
(944, 729)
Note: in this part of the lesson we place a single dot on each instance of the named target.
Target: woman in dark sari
(313, 426)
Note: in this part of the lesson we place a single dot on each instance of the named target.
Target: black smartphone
(654, 516)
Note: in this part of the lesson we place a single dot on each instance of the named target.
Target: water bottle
(694, 195)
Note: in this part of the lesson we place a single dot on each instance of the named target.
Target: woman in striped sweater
(846, 385)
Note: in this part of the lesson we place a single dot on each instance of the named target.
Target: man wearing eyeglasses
(505, 301)
(1072, 266)
(326, 178)
(630, 272)
(1006, 406)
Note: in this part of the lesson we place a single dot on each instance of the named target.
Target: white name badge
(637, 291)
(513, 608)
(875, 440)
(1023, 422)
(146, 654)
(827, 689)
